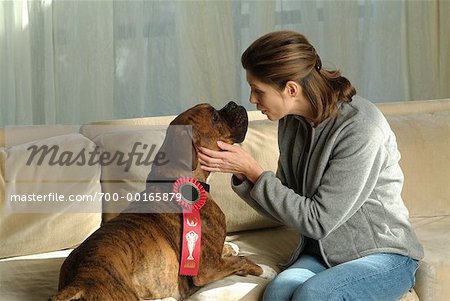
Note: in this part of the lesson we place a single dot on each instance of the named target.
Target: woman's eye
(258, 92)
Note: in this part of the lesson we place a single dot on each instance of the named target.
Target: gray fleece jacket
(339, 184)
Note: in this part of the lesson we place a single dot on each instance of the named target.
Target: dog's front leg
(230, 249)
(238, 265)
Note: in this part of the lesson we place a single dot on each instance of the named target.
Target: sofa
(36, 236)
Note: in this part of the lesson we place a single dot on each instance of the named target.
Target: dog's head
(201, 125)
(209, 125)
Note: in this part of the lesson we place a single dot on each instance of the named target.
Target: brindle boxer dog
(137, 255)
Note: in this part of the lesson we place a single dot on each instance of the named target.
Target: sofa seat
(31, 275)
(268, 247)
(37, 275)
(19, 276)
(433, 276)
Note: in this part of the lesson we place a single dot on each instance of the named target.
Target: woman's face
(267, 99)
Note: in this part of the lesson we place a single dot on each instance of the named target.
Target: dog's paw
(268, 272)
(232, 247)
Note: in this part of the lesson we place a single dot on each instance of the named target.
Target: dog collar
(191, 196)
(204, 185)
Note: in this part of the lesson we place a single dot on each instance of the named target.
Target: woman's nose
(252, 99)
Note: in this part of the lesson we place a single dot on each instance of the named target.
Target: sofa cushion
(261, 142)
(29, 226)
(119, 181)
(424, 143)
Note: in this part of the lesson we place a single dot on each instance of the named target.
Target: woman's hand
(231, 159)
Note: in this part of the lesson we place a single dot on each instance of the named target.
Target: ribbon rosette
(193, 197)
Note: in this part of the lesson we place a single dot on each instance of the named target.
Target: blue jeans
(377, 277)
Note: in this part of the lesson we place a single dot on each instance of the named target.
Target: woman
(338, 180)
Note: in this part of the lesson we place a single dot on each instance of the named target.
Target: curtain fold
(72, 62)
(428, 45)
(207, 52)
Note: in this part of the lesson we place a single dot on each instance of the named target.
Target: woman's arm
(243, 188)
(349, 179)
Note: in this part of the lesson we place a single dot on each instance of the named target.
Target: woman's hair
(282, 56)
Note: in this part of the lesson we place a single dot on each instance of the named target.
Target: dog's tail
(69, 293)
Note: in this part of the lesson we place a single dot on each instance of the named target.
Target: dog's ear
(177, 156)
(179, 147)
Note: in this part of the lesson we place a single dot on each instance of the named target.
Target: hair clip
(318, 65)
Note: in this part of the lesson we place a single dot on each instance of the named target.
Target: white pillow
(31, 221)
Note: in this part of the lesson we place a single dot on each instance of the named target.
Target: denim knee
(312, 291)
(282, 287)
(276, 290)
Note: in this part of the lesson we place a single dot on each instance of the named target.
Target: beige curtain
(80, 61)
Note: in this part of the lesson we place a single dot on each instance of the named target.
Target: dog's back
(131, 256)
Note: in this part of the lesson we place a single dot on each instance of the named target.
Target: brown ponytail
(282, 56)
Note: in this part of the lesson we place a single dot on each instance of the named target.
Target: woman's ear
(292, 88)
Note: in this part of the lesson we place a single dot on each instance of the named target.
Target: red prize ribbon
(192, 226)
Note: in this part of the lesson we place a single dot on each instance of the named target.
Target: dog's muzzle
(237, 119)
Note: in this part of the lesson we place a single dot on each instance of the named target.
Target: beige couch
(33, 245)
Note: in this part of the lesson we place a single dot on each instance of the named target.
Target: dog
(137, 255)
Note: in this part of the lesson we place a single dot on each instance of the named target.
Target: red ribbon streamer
(192, 226)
